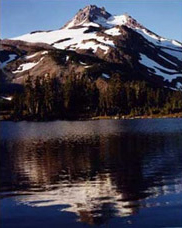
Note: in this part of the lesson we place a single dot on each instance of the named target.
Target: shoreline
(177, 115)
(7, 117)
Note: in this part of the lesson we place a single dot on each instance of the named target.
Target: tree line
(49, 98)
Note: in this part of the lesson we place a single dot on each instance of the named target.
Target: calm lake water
(106, 173)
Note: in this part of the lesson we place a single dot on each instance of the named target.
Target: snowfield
(157, 69)
(73, 38)
(77, 39)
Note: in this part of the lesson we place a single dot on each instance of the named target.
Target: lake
(103, 173)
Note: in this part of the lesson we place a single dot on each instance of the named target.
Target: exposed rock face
(88, 14)
(94, 43)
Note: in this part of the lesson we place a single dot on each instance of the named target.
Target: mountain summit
(88, 14)
(102, 45)
(93, 14)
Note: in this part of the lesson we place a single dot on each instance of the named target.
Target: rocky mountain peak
(92, 13)
(88, 14)
(93, 10)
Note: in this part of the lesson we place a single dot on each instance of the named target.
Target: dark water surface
(107, 173)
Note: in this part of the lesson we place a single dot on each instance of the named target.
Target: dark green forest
(48, 98)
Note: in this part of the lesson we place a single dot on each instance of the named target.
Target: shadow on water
(97, 170)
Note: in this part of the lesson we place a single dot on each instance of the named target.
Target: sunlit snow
(112, 21)
(31, 56)
(76, 38)
(26, 66)
(158, 69)
(113, 32)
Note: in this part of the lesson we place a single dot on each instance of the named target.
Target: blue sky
(23, 16)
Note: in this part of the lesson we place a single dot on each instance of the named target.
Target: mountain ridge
(91, 13)
(95, 32)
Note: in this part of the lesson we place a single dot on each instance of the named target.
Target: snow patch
(87, 66)
(112, 21)
(176, 43)
(31, 56)
(105, 75)
(158, 69)
(105, 41)
(117, 20)
(175, 53)
(44, 53)
(82, 63)
(6, 98)
(168, 60)
(179, 85)
(91, 24)
(113, 32)
(26, 66)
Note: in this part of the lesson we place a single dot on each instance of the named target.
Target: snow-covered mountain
(95, 41)
(75, 33)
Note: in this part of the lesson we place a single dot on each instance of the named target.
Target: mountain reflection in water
(96, 169)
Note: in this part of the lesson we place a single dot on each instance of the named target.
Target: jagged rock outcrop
(88, 14)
